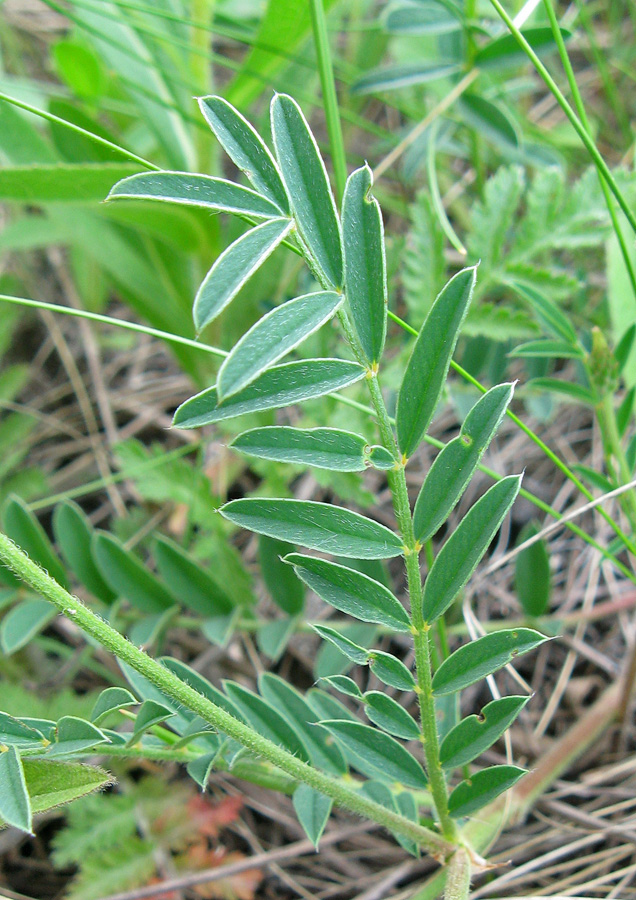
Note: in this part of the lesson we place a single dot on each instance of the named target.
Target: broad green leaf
(391, 670)
(51, 784)
(234, 267)
(319, 526)
(326, 448)
(505, 51)
(290, 703)
(327, 707)
(245, 148)
(283, 586)
(548, 313)
(344, 684)
(387, 714)
(547, 349)
(313, 811)
(574, 392)
(271, 338)
(307, 185)
(351, 591)
(189, 581)
(80, 69)
(425, 17)
(15, 806)
(279, 386)
(456, 462)
(266, 719)
(380, 752)
(110, 700)
(459, 556)
(380, 458)
(128, 577)
(474, 661)
(73, 735)
(533, 578)
(23, 622)
(199, 769)
(390, 78)
(22, 527)
(74, 533)
(475, 734)
(195, 190)
(345, 645)
(428, 366)
(483, 787)
(61, 182)
(150, 714)
(365, 263)
(17, 733)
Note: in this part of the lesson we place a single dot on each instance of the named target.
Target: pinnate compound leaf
(380, 752)
(351, 591)
(365, 263)
(110, 700)
(245, 148)
(15, 806)
(319, 526)
(456, 462)
(533, 578)
(279, 386)
(266, 719)
(188, 581)
(428, 366)
(475, 734)
(307, 184)
(474, 661)
(283, 586)
(313, 811)
(388, 715)
(74, 535)
(22, 527)
(195, 190)
(325, 448)
(234, 267)
(23, 622)
(459, 556)
(273, 337)
(128, 577)
(483, 787)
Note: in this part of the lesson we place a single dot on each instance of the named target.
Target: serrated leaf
(389, 78)
(127, 575)
(15, 732)
(533, 579)
(187, 580)
(15, 806)
(74, 533)
(380, 751)
(547, 349)
(388, 715)
(484, 786)
(266, 719)
(195, 190)
(110, 700)
(73, 735)
(150, 714)
(459, 556)
(365, 263)
(456, 462)
(22, 527)
(351, 591)
(475, 734)
(428, 366)
(272, 337)
(391, 670)
(505, 51)
(313, 811)
(279, 386)
(319, 526)
(285, 589)
(307, 185)
(234, 267)
(245, 148)
(474, 661)
(575, 392)
(325, 448)
(23, 622)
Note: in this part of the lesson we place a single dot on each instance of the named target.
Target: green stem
(614, 450)
(458, 876)
(20, 564)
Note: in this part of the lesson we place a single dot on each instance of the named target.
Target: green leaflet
(484, 786)
(505, 51)
(476, 660)
(459, 556)
(74, 534)
(548, 313)
(203, 686)
(351, 591)
(574, 392)
(73, 735)
(365, 263)
(344, 684)
(262, 716)
(425, 18)
(150, 714)
(22, 527)
(326, 448)
(428, 366)
(313, 811)
(110, 700)
(319, 526)
(61, 182)
(456, 462)
(127, 575)
(234, 267)
(283, 586)
(51, 784)
(15, 806)
(279, 386)
(547, 349)
(188, 581)
(391, 670)
(308, 187)
(389, 78)
(380, 751)
(23, 622)
(195, 190)
(349, 648)
(533, 578)
(387, 714)
(474, 734)
(19, 734)
(245, 148)
(272, 337)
